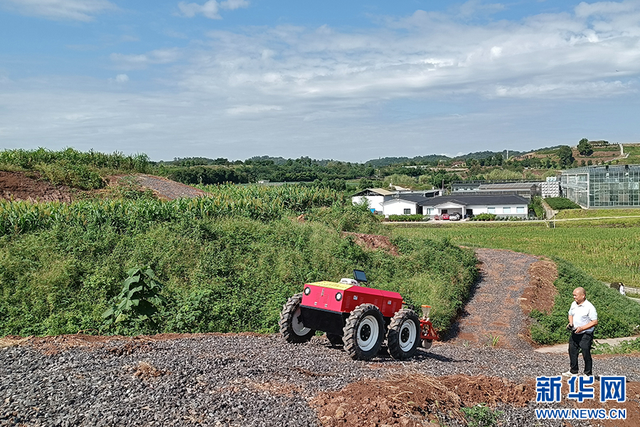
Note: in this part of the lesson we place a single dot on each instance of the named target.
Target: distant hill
(388, 161)
(486, 154)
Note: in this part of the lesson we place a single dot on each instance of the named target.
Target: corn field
(254, 202)
(28, 159)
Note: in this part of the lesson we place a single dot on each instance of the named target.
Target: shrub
(560, 203)
(484, 217)
(137, 304)
(417, 217)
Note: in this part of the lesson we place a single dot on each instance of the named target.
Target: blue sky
(349, 80)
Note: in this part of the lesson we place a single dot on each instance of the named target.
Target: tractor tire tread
(393, 336)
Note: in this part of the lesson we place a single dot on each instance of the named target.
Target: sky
(346, 80)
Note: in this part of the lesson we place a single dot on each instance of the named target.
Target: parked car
(444, 216)
(436, 217)
(455, 216)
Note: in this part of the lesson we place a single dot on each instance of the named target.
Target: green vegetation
(560, 203)
(536, 207)
(261, 203)
(617, 317)
(596, 213)
(137, 305)
(624, 347)
(71, 167)
(584, 147)
(404, 218)
(228, 262)
(481, 416)
(606, 249)
(484, 217)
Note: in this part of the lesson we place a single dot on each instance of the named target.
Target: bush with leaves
(137, 304)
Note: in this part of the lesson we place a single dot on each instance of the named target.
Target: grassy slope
(220, 274)
(608, 253)
(596, 213)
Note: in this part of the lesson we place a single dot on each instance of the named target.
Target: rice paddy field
(609, 250)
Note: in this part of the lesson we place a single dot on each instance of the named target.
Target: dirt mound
(374, 242)
(20, 186)
(541, 293)
(410, 400)
(166, 189)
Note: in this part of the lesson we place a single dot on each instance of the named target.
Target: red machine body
(345, 298)
(358, 318)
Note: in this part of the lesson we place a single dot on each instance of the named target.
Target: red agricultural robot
(358, 317)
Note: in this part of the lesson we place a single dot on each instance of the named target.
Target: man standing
(582, 321)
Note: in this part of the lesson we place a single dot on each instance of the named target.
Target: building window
(520, 209)
(491, 210)
(407, 211)
(506, 209)
(430, 211)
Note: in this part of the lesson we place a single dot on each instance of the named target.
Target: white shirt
(583, 314)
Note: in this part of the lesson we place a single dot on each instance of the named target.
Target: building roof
(509, 186)
(375, 191)
(476, 199)
(415, 198)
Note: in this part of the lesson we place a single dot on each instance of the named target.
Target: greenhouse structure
(610, 186)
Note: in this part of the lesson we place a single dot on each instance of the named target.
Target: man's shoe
(569, 374)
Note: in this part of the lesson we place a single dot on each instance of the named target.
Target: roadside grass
(607, 250)
(596, 213)
(617, 316)
(625, 347)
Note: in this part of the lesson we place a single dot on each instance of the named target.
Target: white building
(374, 197)
(377, 197)
(405, 204)
(507, 205)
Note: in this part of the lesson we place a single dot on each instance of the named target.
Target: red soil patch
(374, 242)
(541, 293)
(414, 399)
(23, 186)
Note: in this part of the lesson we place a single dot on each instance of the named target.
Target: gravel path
(493, 315)
(247, 380)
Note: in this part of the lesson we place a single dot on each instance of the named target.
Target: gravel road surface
(249, 379)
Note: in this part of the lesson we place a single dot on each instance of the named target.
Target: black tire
(335, 340)
(364, 332)
(291, 326)
(404, 334)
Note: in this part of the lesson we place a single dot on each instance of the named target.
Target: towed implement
(358, 317)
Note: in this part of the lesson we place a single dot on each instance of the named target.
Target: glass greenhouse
(603, 186)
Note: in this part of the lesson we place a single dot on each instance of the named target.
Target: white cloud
(210, 8)
(131, 62)
(252, 109)
(122, 78)
(234, 4)
(77, 10)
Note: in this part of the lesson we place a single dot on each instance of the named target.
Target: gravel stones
(230, 380)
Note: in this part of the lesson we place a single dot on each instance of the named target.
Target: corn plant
(138, 301)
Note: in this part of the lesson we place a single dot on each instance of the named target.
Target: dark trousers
(579, 342)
